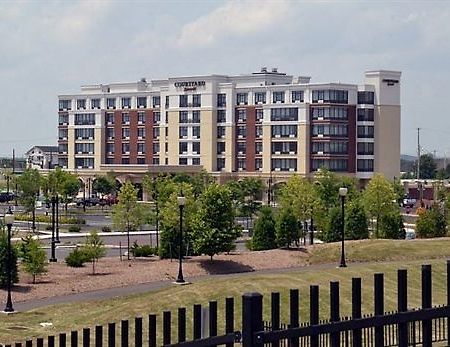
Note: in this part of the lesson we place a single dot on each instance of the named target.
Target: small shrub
(74, 229)
(106, 229)
(431, 223)
(142, 251)
(76, 258)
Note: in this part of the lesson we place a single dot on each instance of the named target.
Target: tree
(105, 185)
(327, 187)
(356, 227)
(431, 223)
(251, 189)
(378, 199)
(287, 229)
(214, 229)
(61, 183)
(333, 228)
(391, 226)
(29, 183)
(34, 258)
(70, 186)
(264, 231)
(127, 214)
(427, 167)
(4, 261)
(94, 249)
(399, 191)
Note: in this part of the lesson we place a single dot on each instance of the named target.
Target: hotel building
(263, 124)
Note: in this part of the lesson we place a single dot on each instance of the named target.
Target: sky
(53, 47)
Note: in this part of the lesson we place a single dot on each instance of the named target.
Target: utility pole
(418, 153)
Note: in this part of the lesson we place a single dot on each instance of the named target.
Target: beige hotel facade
(266, 124)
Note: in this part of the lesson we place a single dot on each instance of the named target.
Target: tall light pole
(53, 244)
(181, 202)
(9, 220)
(342, 194)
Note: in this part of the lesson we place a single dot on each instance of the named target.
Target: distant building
(42, 157)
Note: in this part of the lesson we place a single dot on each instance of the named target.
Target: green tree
(127, 213)
(399, 191)
(105, 185)
(327, 187)
(356, 227)
(264, 233)
(287, 229)
(391, 226)
(333, 228)
(428, 166)
(431, 223)
(4, 261)
(214, 229)
(94, 249)
(29, 183)
(378, 199)
(34, 258)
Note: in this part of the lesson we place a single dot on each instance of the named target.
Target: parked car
(407, 202)
(410, 234)
(6, 197)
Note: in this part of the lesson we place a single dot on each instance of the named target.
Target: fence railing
(422, 326)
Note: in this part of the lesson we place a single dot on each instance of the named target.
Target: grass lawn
(76, 316)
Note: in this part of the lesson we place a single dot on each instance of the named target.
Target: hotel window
(182, 161)
(278, 97)
(280, 164)
(125, 118)
(156, 147)
(141, 148)
(220, 164)
(220, 132)
(84, 148)
(64, 105)
(241, 164)
(156, 117)
(63, 119)
(196, 147)
(156, 101)
(242, 98)
(196, 132)
(260, 97)
(366, 98)
(110, 148)
(284, 131)
(140, 161)
(95, 104)
(84, 134)
(155, 132)
(297, 95)
(125, 133)
(259, 115)
(221, 116)
(284, 114)
(365, 115)
(141, 133)
(125, 161)
(183, 132)
(337, 113)
(85, 119)
(259, 131)
(63, 148)
(241, 131)
(220, 147)
(365, 165)
(331, 96)
(166, 147)
(63, 162)
(284, 147)
(167, 101)
(126, 102)
(241, 115)
(110, 133)
(365, 148)
(183, 116)
(338, 130)
(155, 161)
(258, 164)
(141, 102)
(258, 147)
(330, 147)
(330, 164)
(221, 100)
(141, 117)
(84, 163)
(125, 148)
(197, 100)
(196, 116)
(183, 147)
(110, 118)
(81, 104)
(195, 161)
(183, 101)
(111, 103)
(241, 147)
(366, 131)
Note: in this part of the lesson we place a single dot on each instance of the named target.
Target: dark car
(6, 197)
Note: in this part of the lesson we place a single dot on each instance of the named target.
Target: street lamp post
(53, 255)
(342, 194)
(57, 220)
(9, 220)
(181, 202)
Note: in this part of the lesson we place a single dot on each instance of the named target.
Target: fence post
(402, 301)
(29, 343)
(124, 333)
(181, 324)
(99, 336)
(229, 317)
(334, 312)
(138, 331)
(379, 307)
(275, 315)
(86, 337)
(252, 320)
(213, 318)
(166, 328)
(111, 334)
(448, 299)
(50, 341)
(356, 310)
(427, 332)
(314, 312)
(152, 330)
(74, 339)
(197, 324)
(294, 320)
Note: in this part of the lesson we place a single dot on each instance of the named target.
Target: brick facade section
(250, 140)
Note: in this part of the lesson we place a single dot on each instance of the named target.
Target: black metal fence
(423, 326)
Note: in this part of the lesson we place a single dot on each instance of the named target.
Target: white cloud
(234, 18)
